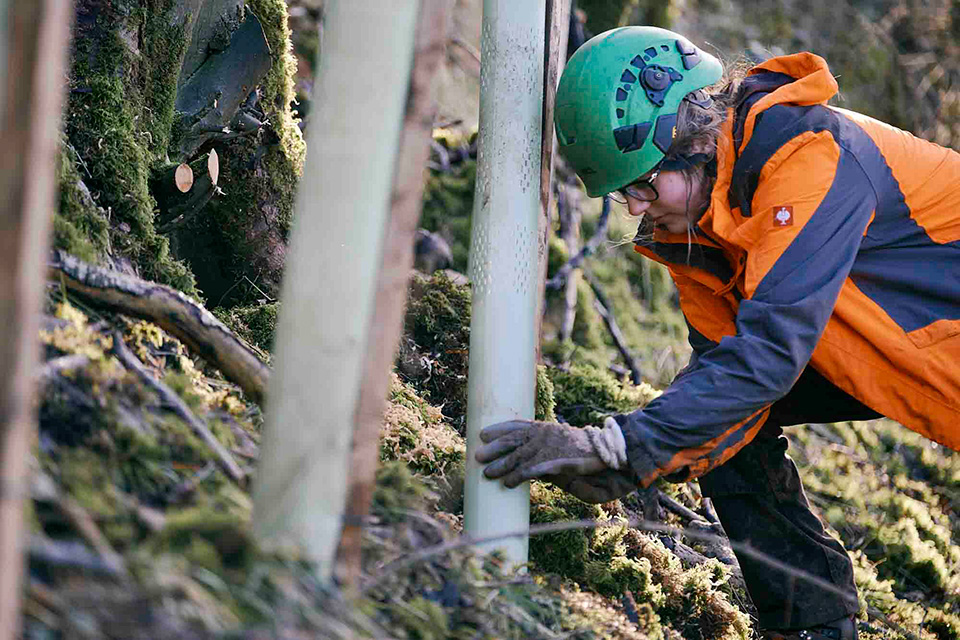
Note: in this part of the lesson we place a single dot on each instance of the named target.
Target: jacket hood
(814, 84)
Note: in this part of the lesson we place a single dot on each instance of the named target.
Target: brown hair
(699, 127)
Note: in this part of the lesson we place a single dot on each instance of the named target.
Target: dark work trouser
(760, 501)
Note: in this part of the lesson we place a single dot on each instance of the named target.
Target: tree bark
(406, 201)
(554, 53)
(34, 51)
(330, 281)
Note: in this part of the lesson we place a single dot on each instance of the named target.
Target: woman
(817, 256)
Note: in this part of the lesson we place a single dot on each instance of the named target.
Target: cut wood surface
(190, 322)
(183, 177)
(213, 167)
(183, 190)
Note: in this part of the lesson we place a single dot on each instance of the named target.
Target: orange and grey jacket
(832, 240)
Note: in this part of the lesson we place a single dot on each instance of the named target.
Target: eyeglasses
(642, 190)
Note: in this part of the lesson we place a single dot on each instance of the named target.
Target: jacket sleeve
(796, 266)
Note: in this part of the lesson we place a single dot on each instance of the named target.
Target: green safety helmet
(618, 98)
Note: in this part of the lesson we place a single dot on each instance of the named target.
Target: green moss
(253, 177)
(257, 324)
(162, 49)
(434, 354)
(544, 403)
(613, 558)
(80, 227)
(448, 208)
(586, 394)
(425, 619)
(557, 255)
(88, 481)
(588, 329)
(259, 177)
(399, 491)
(414, 431)
(107, 127)
(889, 494)
(566, 552)
(210, 538)
(944, 626)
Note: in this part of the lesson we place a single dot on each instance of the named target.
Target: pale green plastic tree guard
(330, 280)
(503, 257)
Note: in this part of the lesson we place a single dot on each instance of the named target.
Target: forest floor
(140, 531)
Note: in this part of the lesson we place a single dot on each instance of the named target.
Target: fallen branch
(175, 402)
(86, 527)
(691, 558)
(710, 511)
(44, 489)
(679, 509)
(171, 310)
(573, 525)
(605, 309)
(69, 555)
(64, 363)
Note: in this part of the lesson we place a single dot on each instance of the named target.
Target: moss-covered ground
(153, 490)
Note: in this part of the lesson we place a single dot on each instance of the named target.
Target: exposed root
(171, 310)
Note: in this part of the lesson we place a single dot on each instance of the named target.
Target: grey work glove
(584, 462)
(606, 486)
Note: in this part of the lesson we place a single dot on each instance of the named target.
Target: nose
(637, 207)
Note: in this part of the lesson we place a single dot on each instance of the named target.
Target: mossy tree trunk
(161, 82)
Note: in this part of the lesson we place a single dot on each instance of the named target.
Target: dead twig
(743, 549)
(605, 309)
(88, 529)
(687, 514)
(564, 272)
(70, 555)
(179, 407)
(61, 364)
(172, 311)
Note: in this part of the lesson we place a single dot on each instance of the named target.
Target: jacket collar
(801, 79)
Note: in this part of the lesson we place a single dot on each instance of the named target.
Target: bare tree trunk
(34, 50)
(392, 281)
(554, 55)
(330, 284)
